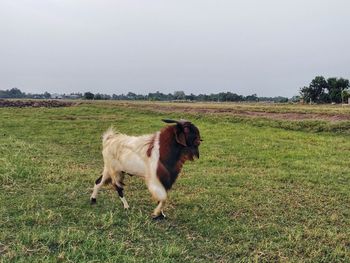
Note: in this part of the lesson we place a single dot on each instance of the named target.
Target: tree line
(331, 90)
(156, 96)
(320, 90)
(181, 96)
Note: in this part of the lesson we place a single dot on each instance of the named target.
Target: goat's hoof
(161, 216)
(126, 207)
(93, 201)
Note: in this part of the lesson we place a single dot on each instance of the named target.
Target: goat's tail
(107, 135)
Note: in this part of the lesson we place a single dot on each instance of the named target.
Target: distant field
(331, 118)
(266, 188)
(275, 111)
(240, 107)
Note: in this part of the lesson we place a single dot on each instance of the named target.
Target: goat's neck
(170, 152)
(171, 157)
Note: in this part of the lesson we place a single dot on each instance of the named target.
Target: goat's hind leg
(119, 187)
(98, 184)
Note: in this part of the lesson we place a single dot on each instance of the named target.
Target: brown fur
(150, 146)
(172, 156)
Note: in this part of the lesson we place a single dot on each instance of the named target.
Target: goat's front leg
(159, 193)
(158, 211)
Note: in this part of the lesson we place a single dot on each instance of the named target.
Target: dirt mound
(34, 103)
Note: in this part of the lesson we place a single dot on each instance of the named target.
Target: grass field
(263, 189)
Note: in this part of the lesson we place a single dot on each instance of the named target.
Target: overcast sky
(270, 47)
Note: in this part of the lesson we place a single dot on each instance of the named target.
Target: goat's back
(122, 152)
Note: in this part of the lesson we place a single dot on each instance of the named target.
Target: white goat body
(141, 156)
(129, 154)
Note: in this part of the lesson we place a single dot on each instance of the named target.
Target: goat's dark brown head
(188, 136)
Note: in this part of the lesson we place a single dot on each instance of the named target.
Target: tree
(15, 93)
(12, 93)
(89, 96)
(179, 95)
(190, 97)
(316, 90)
(47, 95)
(295, 98)
(336, 88)
(231, 96)
(252, 97)
(98, 96)
(324, 91)
(158, 96)
(345, 96)
(131, 95)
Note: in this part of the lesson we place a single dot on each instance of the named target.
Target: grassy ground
(258, 192)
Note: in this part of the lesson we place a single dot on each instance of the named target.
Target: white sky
(270, 47)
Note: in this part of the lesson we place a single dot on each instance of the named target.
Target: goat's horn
(180, 122)
(170, 121)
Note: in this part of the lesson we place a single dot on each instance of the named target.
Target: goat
(157, 158)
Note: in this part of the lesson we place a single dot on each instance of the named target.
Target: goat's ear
(180, 137)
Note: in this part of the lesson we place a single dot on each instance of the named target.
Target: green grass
(258, 193)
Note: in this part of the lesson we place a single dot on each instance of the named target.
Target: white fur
(123, 153)
(125, 203)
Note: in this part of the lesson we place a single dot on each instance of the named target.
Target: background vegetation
(259, 192)
(320, 90)
(156, 96)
